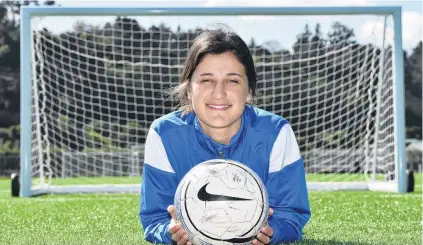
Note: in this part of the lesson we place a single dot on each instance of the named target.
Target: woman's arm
(157, 192)
(287, 189)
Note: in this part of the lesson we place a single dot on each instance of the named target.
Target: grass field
(351, 218)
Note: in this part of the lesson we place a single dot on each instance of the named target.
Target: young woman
(216, 120)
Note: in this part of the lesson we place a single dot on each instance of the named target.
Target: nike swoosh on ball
(203, 195)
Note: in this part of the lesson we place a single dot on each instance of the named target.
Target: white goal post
(89, 95)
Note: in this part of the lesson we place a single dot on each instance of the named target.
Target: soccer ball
(221, 202)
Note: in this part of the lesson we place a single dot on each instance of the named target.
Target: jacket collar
(217, 149)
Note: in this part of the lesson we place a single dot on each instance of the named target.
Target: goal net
(96, 82)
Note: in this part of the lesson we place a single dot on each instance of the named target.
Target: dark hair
(213, 42)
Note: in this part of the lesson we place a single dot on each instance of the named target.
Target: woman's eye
(233, 81)
(205, 80)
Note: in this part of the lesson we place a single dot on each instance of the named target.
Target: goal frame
(26, 82)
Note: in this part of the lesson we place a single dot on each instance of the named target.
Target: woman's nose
(219, 90)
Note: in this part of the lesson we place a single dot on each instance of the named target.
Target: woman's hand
(265, 234)
(179, 235)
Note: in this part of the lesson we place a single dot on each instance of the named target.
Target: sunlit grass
(341, 217)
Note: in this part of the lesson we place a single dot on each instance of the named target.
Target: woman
(216, 121)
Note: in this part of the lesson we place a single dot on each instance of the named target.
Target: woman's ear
(189, 95)
(249, 99)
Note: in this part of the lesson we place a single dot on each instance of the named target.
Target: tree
(413, 92)
(341, 34)
(252, 43)
(318, 41)
(414, 62)
(9, 37)
(302, 40)
(10, 32)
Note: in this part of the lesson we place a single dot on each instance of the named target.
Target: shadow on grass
(306, 241)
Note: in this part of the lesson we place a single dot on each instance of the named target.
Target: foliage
(413, 92)
(124, 69)
(9, 140)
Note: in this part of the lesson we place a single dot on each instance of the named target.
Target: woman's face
(219, 92)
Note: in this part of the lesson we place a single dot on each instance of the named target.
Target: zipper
(220, 154)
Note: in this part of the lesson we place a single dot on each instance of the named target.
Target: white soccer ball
(221, 202)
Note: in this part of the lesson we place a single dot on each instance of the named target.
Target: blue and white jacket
(265, 143)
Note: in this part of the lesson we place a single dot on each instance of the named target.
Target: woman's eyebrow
(234, 74)
(228, 74)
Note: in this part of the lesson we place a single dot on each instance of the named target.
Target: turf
(351, 218)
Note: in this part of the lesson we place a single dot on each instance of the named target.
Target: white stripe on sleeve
(285, 150)
(155, 153)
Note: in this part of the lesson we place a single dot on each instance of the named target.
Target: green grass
(351, 218)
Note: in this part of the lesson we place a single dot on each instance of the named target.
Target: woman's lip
(218, 107)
